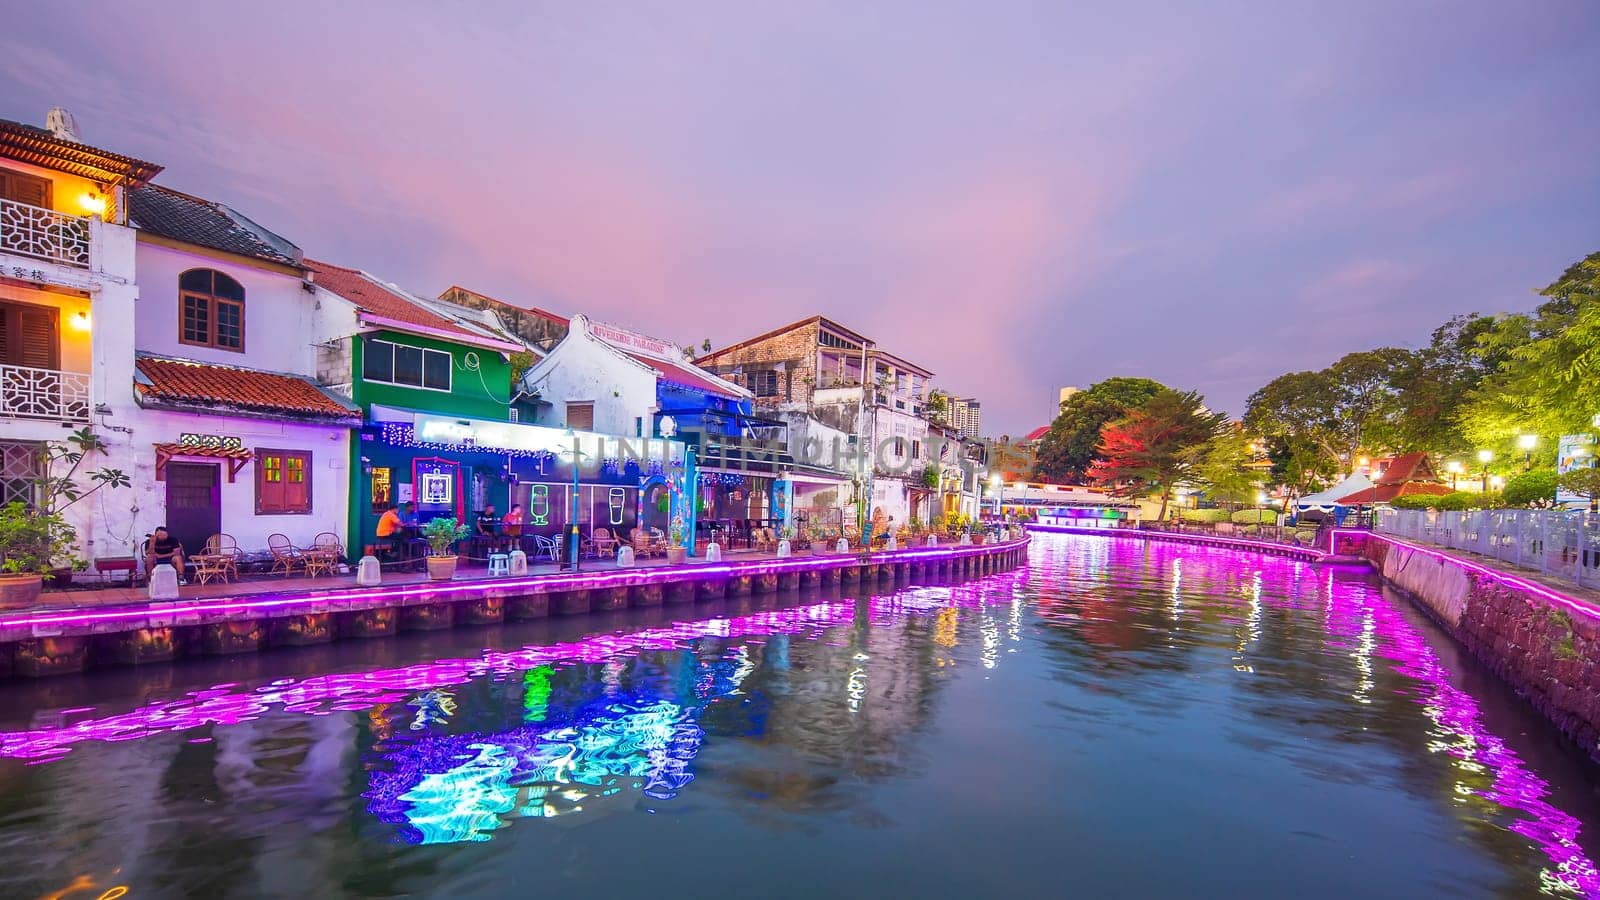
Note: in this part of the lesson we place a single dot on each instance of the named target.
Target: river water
(1114, 720)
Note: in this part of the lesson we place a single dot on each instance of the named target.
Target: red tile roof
(1407, 467)
(1382, 492)
(185, 381)
(687, 375)
(1037, 434)
(373, 297)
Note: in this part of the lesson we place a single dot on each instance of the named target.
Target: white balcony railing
(28, 393)
(44, 234)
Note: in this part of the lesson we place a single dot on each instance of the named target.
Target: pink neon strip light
(548, 584)
(1532, 587)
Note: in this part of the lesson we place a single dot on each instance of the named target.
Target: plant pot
(819, 546)
(60, 578)
(441, 568)
(677, 556)
(19, 591)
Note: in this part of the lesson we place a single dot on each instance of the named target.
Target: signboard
(1574, 451)
(632, 339)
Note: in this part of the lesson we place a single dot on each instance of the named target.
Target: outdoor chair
(604, 543)
(322, 557)
(286, 557)
(210, 563)
(224, 553)
(546, 548)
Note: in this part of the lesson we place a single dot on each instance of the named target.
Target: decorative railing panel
(44, 234)
(28, 393)
(1557, 542)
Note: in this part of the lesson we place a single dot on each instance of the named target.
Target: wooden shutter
(29, 336)
(297, 482)
(580, 416)
(25, 189)
(269, 481)
(283, 482)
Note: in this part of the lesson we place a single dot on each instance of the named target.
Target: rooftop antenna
(60, 123)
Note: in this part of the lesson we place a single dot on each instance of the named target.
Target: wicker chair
(324, 554)
(286, 557)
(605, 544)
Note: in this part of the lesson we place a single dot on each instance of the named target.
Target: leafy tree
(1433, 391)
(1584, 482)
(1338, 410)
(1157, 446)
(1297, 412)
(1070, 447)
(1299, 464)
(1530, 487)
(1547, 363)
(1224, 470)
(938, 407)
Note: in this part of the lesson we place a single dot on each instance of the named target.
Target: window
(403, 364)
(283, 482)
(828, 339)
(21, 467)
(580, 416)
(210, 310)
(29, 336)
(764, 384)
(382, 488)
(22, 188)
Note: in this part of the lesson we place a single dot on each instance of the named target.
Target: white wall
(581, 369)
(279, 315)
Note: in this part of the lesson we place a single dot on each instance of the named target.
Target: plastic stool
(499, 564)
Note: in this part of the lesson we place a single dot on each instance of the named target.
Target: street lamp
(1454, 468)
(1484, 456)
(1527, 442)
(994, 484)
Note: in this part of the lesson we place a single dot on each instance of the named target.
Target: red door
(194, 503)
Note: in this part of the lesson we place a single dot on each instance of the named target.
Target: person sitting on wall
(162, 547)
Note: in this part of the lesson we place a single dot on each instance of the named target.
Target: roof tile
(180, 217)
(186, 381)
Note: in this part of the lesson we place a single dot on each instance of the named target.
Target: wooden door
(194, 503)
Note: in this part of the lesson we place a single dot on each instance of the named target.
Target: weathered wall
(1550, 654)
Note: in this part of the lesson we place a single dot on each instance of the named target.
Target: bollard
(783, 549)
(931, 541)
(368, 571)
(966, 539)
(841, 546)
(624, 557)
(519, 562)
(164, 583)
(892, 544)
(713, 552)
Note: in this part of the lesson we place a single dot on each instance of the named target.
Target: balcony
(29, 393)
(44, 234)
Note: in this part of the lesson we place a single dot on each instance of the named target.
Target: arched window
(210, 310)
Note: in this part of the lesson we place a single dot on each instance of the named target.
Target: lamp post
(1484, 456)
(572, 506)
(994, 484)
(1527, 442)
(1454, 468)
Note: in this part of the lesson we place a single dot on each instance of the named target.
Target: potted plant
(440, 533)
(677, 553)
(818, 536)
(35, 539)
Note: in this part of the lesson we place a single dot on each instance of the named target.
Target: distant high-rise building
(1067, 392)
(966, 416)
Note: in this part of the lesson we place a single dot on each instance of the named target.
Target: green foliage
(31, 541)
(1223, 471)
(441, 532)
(1156, 447)
(521, 361)
(931, 477)
(938, 407)
(1530, 487)
(1453, 502)
(1583, 482)
(1069, 448)
(1203, 515)
(1335, 411)
(1255, 517)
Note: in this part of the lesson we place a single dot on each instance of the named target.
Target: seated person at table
(163, 548)
(488, 522)
(513, 520)
(396, 521)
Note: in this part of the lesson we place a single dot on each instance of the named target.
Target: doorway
(194, 503)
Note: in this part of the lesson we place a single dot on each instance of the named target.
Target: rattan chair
(286, 557)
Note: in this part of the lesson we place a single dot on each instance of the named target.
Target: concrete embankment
(1543, 641)
(62, 641)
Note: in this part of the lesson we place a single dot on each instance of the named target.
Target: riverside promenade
(73, 631)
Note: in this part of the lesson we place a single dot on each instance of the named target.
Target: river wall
(1542, 641)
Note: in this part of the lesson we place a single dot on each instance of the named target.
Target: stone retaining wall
(1544, 643)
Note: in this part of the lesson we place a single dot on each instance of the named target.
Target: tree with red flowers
(1156, 447)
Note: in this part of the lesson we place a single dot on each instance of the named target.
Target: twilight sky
(1017, 196)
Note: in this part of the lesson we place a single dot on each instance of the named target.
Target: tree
(1339, 410)
(938, 406)
(1224, 470)
(1069, 448)
(705, 345)
(1547, 366)
(1433, 391)
(1584, 482)
(1298, 412)
(1156, 447)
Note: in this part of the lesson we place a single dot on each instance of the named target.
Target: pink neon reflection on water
(1456, 714)
(228, 704)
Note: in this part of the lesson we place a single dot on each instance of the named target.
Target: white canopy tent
(1326, 500)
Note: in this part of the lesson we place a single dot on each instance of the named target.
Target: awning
(435, 431)
(236, 457)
